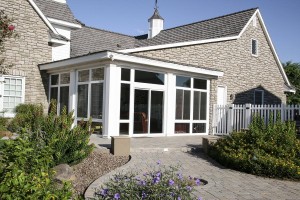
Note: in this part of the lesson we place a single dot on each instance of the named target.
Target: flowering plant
(161, 183)
(7, 30)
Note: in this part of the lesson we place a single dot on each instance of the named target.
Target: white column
(112, 101)
(171, 104)
(72, 95)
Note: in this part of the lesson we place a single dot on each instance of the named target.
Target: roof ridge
(212, 18)
(107, 31)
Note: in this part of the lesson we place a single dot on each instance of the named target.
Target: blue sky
(282, 17)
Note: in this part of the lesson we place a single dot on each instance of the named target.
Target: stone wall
(243, 73)
(29, 49)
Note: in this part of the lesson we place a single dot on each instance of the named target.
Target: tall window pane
(64, 98)
(82, 102)
(203, 106)
(54, 94)
(183, 98)
(200, 105)
(124, 101)
(96, 100)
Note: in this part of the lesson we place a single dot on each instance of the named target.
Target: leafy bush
(3, 124)
(25, 172)
(29, 116)
(161, 183)
(266, 149)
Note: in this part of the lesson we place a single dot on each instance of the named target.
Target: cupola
(156, 23)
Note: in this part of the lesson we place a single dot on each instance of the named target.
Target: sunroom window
(59, 90)
(191, 105)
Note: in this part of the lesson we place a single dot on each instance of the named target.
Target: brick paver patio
(224, 184)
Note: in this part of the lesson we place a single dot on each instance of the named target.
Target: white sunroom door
(148, 112)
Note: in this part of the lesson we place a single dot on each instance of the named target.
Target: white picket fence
(232, 117)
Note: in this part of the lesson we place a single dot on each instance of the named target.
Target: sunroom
(131, 95)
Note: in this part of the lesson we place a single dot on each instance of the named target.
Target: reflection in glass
(83, 76)
(124, 101)
(64, 98)
(124, 129)
(54, 94)
(182, 81)
(181, 128)
(54, 79)
(65, 78)
(97, 74)
(141, 112)
(125, 74)
(156, 117)
(97, 127)
(149, 77)
(200, 84)
(199, 128)
(200, 105)
(183, 98)
(82, 101)
(96, 100)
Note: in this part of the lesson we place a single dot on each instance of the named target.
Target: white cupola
(156, 23)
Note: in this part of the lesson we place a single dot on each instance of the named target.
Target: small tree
(292, 71)
(7, 30)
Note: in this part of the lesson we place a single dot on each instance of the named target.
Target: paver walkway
(222, 184)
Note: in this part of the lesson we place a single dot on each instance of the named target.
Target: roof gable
(56, 10)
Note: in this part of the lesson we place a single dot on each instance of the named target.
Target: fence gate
(233, 117)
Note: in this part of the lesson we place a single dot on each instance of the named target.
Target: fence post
(248, 114)
(230, 118)
(214, 124)
(282, 112)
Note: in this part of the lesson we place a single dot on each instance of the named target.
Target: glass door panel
(156, 117)
(141, 107)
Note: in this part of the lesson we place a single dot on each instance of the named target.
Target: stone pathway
(223, 184)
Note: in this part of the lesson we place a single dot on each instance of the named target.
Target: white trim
(60, 42)
(64, 23)
(73, 62)
(44, 18)
(172, 45)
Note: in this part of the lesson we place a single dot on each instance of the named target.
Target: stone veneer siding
(242, 72)
(29, 49)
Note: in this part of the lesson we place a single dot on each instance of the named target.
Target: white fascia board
(161, 64)
(248, 23)
(180, 44)
(127, 58)
(74, 61)
(64, 23)
(60, 42)
(273, 49)
(44, 18)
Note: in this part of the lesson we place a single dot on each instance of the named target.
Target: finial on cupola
(156, 23)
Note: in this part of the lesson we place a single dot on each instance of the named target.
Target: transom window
(191, 105)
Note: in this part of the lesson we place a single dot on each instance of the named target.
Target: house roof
(156, 15)
(56, 10)
(223, 26)
(88, 40)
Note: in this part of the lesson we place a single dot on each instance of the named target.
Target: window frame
(256, 49)
(262, 96)
(2, 111)
(191, 120)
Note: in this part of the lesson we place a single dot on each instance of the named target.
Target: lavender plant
(160, 183)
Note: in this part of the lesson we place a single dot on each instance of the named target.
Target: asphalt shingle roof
(88, 40)
(224, 26)
(56, 10)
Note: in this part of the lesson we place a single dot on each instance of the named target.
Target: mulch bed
(97, 164)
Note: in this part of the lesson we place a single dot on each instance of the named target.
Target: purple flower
(158, 174)
(142, 182)
(190, 178)
(156, 180)
(144, 195)
(104, 192)
(198, 182)
(171, 182)
(172, 194)
(117, 196)
(158, 162)
(179, 198)
(180, 176)
(199, 198)
(145, 174)
(189, 188)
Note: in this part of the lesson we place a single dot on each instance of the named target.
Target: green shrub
(25, 172)
(29, 116)
(160, 183)
(266, 149)
(3, 124)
